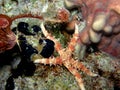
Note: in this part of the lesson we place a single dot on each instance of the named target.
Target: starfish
(65, 56)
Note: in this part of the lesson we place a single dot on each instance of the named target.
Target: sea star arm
(77, 76)
(78, 65)
(58, 46)
(74, 39)
(50, 61)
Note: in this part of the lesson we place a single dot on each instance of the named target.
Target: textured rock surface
(58, 77)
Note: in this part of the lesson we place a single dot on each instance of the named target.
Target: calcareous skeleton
(65, 57)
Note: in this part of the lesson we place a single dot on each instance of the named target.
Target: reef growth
(102, 24)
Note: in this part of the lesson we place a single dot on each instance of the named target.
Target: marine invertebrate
(8, 38)
(36, 28)
(63, 15)
(67, 19)
(48, 47)
(102, 20)
(25, 51)
(65, 57)
(23, 28)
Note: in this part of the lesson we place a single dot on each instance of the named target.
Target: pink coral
(102, 24)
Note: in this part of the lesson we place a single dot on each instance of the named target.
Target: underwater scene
(59, 44)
